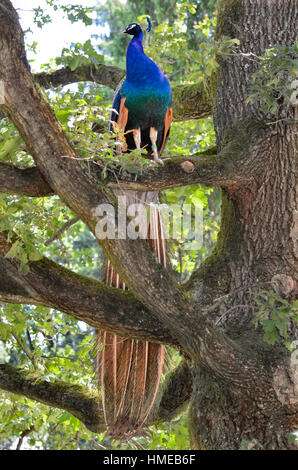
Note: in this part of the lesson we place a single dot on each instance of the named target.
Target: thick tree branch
(106, 75)
(174, 395)
(23, 182)
(83, 403)
(100, 306)
(229, 169)
(189, 101)
(75, 399)
(224, 169)
(205, 168)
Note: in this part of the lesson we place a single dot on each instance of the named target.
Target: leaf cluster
(271, 82)
(275, 316)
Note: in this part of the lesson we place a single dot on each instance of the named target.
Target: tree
(240, 388)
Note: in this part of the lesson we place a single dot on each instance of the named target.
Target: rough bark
(23, 181)
(257, 242)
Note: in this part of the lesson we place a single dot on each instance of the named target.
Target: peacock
(129, 371)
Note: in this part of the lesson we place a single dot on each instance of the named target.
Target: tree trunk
(256, 244)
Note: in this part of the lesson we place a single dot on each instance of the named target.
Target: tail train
(129, 371)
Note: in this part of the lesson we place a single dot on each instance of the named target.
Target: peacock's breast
(147, 105)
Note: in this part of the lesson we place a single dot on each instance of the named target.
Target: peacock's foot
(158, 160)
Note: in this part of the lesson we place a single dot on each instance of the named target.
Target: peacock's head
(135, 29)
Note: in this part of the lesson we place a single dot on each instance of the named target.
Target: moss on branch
(189, 101)
(77, 400)
(83, 402)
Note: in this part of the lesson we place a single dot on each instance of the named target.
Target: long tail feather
(130, 370)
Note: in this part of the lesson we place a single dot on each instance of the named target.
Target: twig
(74, 440)
(24, 434)
(98, 444)
(138, 445)
(230, 310)
(221, 299)
(62, 230)
(29, 340)
(22, 346)
(215, 306)
(181, 262)
(246, 55)
(61, 357)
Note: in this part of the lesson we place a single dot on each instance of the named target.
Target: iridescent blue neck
(136, 43)
(139, 35)
(135, 56)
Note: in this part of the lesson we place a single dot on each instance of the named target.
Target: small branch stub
(187, 167)
(283, 284)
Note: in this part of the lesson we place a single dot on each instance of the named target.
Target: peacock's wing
(166, 129)
(116, 106)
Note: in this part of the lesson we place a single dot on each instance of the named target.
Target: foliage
(271, 81)
(275, 315)
(181, 15)
(53, 344)
(73, 13)
(79, 54)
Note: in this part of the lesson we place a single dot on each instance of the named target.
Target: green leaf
(75, 62)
